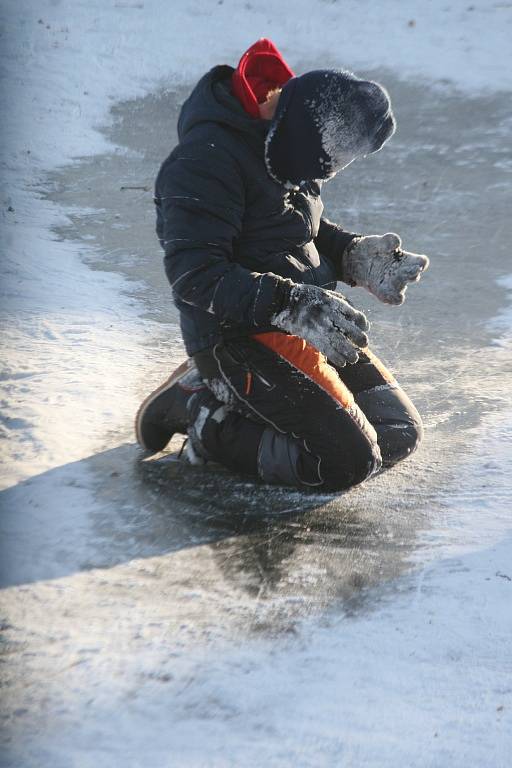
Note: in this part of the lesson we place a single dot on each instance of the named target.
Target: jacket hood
(324, 120)
(212, 100)
(262, 68)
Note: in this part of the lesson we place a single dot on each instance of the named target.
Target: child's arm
(199, 194)
(331, 242)
(200, 205)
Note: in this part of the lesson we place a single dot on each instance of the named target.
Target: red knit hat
(260, 69)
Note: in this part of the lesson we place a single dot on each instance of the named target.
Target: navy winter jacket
(229, 231)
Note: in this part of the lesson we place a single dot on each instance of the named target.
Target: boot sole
(175, 376)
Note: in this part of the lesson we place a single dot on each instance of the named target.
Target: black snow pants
(276, 409)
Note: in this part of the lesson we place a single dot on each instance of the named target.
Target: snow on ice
(140, 628)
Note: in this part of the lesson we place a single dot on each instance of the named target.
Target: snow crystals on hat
(324, 120)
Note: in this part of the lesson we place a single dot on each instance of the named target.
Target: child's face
(268, 107)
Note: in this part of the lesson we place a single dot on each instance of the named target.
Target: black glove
(326, 320)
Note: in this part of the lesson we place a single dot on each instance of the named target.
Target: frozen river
(166, 615)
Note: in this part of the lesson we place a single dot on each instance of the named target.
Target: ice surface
(161, 615)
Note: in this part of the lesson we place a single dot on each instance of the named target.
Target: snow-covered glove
(326, 320)
(377, 262)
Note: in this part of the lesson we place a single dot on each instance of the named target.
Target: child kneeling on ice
(280, 383)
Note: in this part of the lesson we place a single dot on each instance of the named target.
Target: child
(280, 383)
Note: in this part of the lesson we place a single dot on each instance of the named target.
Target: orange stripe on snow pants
(310, 361)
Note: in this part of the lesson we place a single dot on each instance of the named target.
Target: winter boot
(164, 411)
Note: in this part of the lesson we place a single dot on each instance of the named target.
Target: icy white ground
(149, 617)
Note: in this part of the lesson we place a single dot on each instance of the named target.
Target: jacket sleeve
(331, 242)
(199, 195)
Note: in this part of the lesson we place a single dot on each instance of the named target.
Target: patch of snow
(221, 391)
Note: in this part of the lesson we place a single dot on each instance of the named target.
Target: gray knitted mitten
(377, 263)
(326, 320)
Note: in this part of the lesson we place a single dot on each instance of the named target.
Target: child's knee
(286, 461)
(401, 440)
(352, 460)
(395, 419)
(363, 461)
(413, 434)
